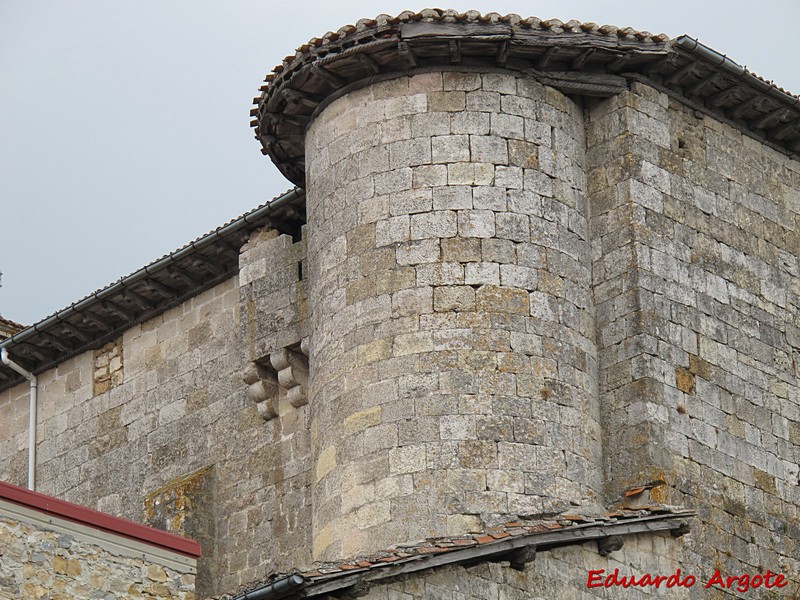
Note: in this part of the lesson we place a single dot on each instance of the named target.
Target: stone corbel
(292, 370)
(282, 374)
(262, 388)
(609, 544)
(521, 557)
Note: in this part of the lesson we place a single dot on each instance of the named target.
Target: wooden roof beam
(54, 341)
(368, 62)
(76, 332)
(739, 109)
(780, 132)
(229, 247)
(299, 96)
(292, 212)
(548, 57)
(581, 59)
(407, 53)
(117, 310)
(269, 139)
(33, 350)
(138, 299)
(282, 226)
(298, 120)
(617, 63)
(210, 265)
(162, 289)
(329, 76)
(721, 97)
(767, 119)
(501, 58)
(105, 324)
(455, 51)
(177, 273)
(701, 85)
(682, 73)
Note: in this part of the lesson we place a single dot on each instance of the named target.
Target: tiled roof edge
(495, 544)
(582, 59)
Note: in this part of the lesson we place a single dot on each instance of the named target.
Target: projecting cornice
(581, 59)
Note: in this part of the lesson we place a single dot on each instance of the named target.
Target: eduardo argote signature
(741, 583)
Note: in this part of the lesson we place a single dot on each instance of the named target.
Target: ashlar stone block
(436, 224)
(476, 223)
(450, 148)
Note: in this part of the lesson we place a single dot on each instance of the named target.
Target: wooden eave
(104, 315)
(520, 547)
(578, 59)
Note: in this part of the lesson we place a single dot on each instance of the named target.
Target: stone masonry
(178, 444)
(696, 239)
(47, 557)
(37, 563)
(453, 330)
(511, 297)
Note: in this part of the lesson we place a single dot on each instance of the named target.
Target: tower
(518, 281)
(454, 366)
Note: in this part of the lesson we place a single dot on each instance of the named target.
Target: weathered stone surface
(182, 407)
(511, 303)
(108, 367)
(42, 561)
(689, 334)
(475, 261)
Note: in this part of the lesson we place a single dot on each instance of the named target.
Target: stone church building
(528, 326)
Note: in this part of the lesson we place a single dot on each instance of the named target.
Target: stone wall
(559, 573)
(696, 241)
(453, 355)
(158, 427)
(580, 573)
(49, 558)
(510, 302)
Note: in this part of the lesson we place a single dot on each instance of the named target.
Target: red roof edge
(98, 520)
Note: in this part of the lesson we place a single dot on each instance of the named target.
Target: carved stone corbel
(262, 388)
(607, 545)
(292, 370)
(280, 375)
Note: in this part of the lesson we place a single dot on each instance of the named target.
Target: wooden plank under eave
(577, 40)
(499, 31)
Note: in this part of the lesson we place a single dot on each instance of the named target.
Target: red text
(745, 582)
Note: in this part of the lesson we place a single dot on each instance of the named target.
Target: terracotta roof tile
(11, 324)
(463, 542)
(499, 534)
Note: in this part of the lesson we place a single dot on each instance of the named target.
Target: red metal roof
(98, 520)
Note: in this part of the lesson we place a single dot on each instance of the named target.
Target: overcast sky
(124, 125)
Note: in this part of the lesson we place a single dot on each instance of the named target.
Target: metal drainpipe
(732, 67)
(281, 588)
(34, 383)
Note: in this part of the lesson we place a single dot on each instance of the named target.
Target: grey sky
(124, 125)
